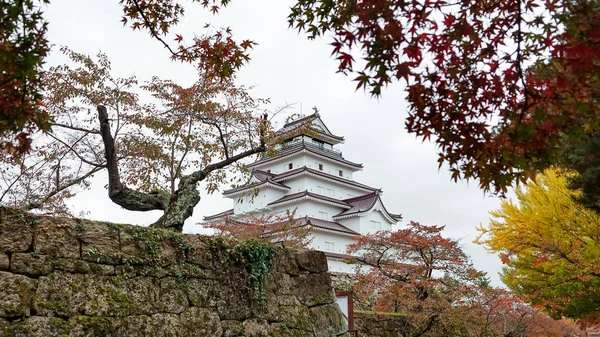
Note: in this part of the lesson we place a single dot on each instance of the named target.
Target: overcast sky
(287, 68)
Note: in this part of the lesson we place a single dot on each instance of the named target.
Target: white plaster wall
(335, 265)
(250, 202)
(311, 209)
(340, 242)
(311, 184)
(308, 160)
(328, 166)
(366, 225)
(353, 223)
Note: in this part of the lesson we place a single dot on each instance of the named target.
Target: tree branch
(117, 191)
(59, 189)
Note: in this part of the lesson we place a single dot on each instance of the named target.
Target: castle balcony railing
(308, 143)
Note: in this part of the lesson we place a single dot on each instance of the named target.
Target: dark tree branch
(59, 189)
(117, 191)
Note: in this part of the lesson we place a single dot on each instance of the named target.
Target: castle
(308, 175)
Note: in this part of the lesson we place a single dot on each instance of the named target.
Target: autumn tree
(281, 229)
(415, 271)
(550, 246)
(155, 154)
(499, 86)
(24, 46)
(496, 312)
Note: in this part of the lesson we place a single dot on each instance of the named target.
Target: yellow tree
(550, 246)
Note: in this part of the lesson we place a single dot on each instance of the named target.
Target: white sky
(287, 68)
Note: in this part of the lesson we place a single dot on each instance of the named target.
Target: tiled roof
(267, 181)
(364, 203)
(295, 196)
(360, 204)
(219, 215)
(329, 225)
(262, 175)
(309, 149)
(301, 120)
(283, 176)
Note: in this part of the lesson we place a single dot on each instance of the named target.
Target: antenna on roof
(301, 108)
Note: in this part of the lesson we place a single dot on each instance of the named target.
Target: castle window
(375, 225)
(330, 192)
(321, 167)
(329, 246)
(291, 166)
(324, 215)
(341, 173)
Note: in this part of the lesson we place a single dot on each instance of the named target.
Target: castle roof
(264, 183)
(300, 148)
(313, 123)
(310, 196)
(365, 203)
(326, 225)
(306, 170)
(219, 215)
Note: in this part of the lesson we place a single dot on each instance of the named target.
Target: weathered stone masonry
(69, 277)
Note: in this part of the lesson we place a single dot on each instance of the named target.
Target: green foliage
(582, 157)
(257, 256)
(78, 225)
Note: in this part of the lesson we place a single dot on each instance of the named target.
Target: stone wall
(378, 325)
(69, 277)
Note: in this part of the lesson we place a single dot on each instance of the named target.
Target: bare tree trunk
(181, 205)
(117, 192)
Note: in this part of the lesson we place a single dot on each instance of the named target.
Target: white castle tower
(308, 175)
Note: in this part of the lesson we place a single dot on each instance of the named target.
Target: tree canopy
(428, 278)
(155, 153)
(550, 246)
(499, 86)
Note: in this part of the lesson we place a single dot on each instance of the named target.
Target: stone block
(16, 295)
(31, 264)
(147, 246)
(57, 237)
(4, 261)
(200, 322)
(328, 320)
(313, 289)
(312, 261)
(37, 326)
(173, 295)
(16, 233)
(232, 328)
(286, 262)
(99, 242)
(203, 293)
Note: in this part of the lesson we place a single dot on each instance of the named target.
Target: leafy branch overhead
(499, 86)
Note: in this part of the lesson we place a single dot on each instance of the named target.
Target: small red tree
(282, 229)
(427, 277)
(414, 270)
